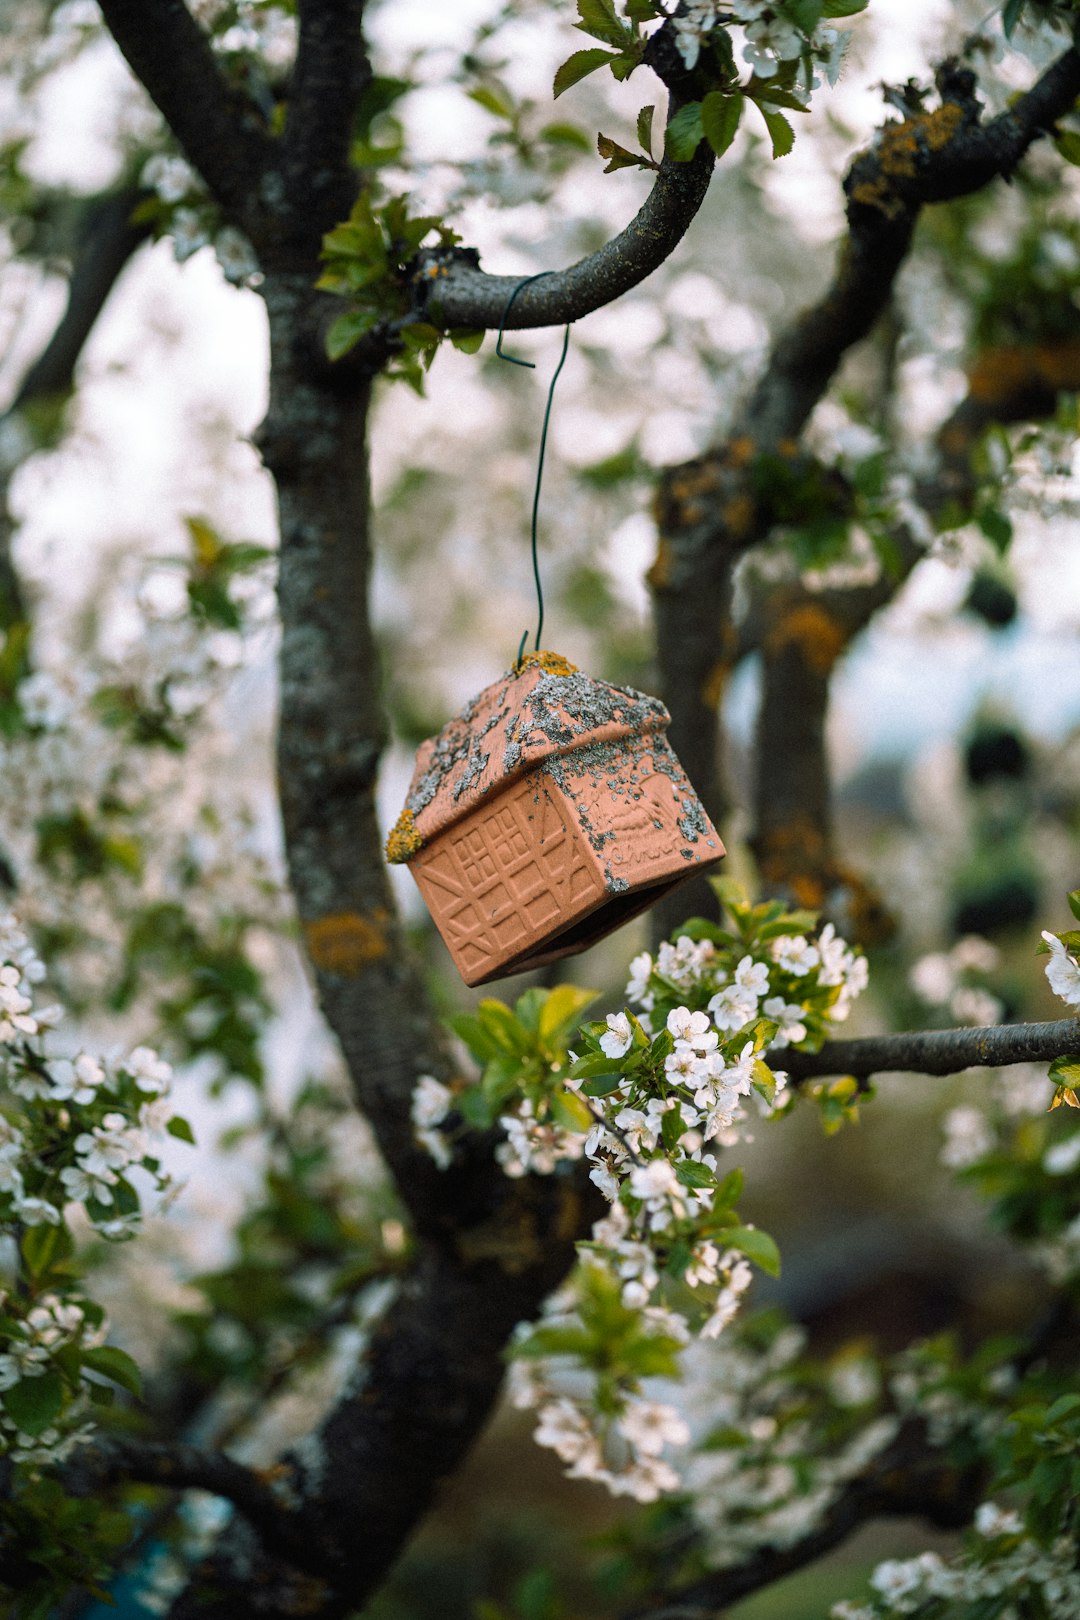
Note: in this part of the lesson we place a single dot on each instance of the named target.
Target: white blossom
(149, 1071)
(968, 1137)
(651, 1425)
(992, 1521)
(1063, 971)
(37, 1212)
(619, 1037)
(431, 1102)
(1063, 1157)
(637, 985)
(795, 954)
(789, 1017)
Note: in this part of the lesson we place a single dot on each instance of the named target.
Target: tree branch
(467, 296)
(114, 1459)
(709, 511)
(456, 292)
(108, 236)
(933, 1051)
(330, 75)
(929, 157)
(219, 129)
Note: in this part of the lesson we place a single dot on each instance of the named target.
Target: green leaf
(504, 1029)
(475, 1108)
(1067, 142)
(694, 1174)
(1011, 16)
(476, 1036)
(1062, 1407)
(995, 525)
(560, 134)
(757, 1246)
(644, 129)
(602, 1086)
(720, 116)
(579, 66)
(672, 1127)
(345, 332)
(465, 339)
(846, 8)
(1074, 903)
(44, 1247)
(620, 157)
(116, 1365)
(491, 101)
(780, 132)
(805, 14)
(571, 1111)
(180, 1129)
(563, 1009)
(685, 132)
(33, 1403)
(598, 18)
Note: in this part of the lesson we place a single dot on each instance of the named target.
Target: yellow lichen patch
(552, 663)
(404, 841)
(715, 682)
(346, 942)
(815, 633)
(659, 575)
(876, 194)
(939, 127)
(1003, 375)
(738, 515)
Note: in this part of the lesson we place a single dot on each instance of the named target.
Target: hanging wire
(514, 361)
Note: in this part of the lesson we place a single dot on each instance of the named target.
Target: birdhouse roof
(543, 709)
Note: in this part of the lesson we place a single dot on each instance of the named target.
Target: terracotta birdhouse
(547, 814)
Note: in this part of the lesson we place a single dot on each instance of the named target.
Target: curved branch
(107, 239)
(928, 158)
(220, 130)
(118, 1459)
(466, 296)
(933, 1051)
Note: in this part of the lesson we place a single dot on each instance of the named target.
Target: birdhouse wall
(592, 834)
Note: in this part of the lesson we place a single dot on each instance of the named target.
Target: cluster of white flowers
(616, 1444)
(36, 1338)
(74, 1130)
(765, 1472)
(772, 37)
(88, 1123)
(1019, 1578)
(951, 980)
(191, 220)
(664, 1090)
(431, 1102)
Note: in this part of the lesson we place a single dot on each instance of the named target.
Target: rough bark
(935, 1051)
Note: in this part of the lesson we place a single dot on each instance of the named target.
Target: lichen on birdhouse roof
(540, 710)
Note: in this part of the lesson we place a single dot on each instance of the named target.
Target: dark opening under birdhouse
(547, 814)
